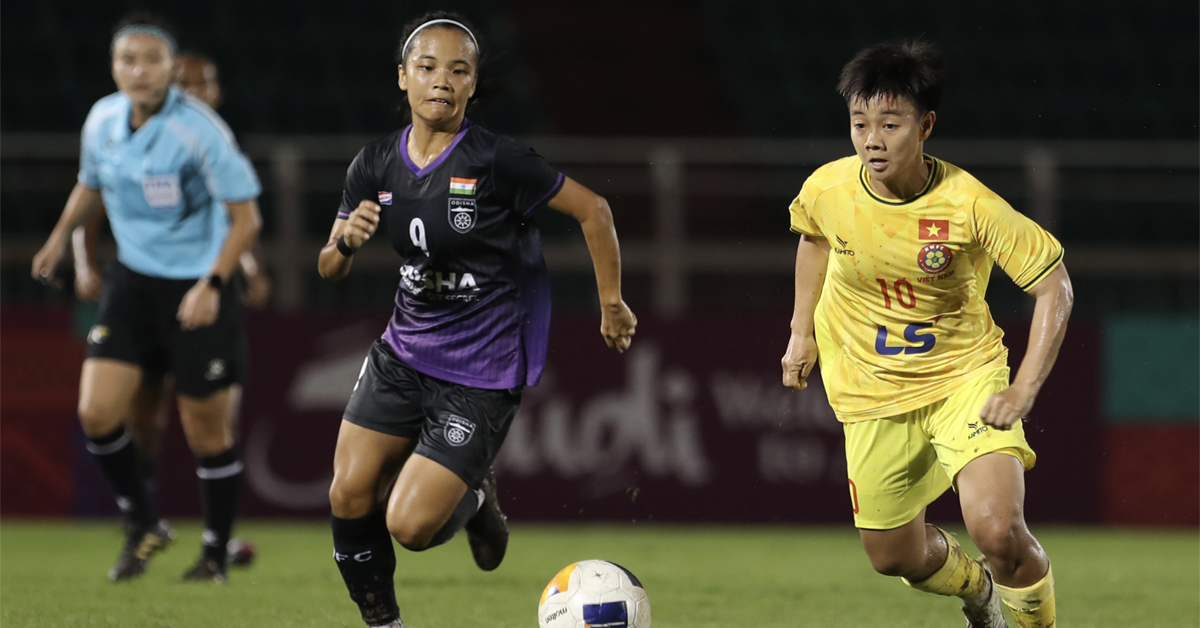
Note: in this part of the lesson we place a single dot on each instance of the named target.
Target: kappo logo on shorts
(458, 430)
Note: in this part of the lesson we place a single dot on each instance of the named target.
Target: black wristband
(216, 281)
(344, 248)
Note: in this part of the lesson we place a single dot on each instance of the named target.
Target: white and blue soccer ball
(594, 594)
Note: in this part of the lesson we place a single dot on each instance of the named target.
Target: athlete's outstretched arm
(201, 305)
(83, 203)
(355, 230)
(1054, 300)
(812, 256)
(617, 322)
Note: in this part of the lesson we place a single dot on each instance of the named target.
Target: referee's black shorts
(459, 427)
(138, 325)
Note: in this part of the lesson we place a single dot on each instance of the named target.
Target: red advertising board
(691, 424)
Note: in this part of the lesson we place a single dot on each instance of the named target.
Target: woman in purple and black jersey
(438, 391)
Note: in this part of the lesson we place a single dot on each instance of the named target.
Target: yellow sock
(960, 576)
(1032, 606)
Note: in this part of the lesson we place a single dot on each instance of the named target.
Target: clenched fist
(361, 224)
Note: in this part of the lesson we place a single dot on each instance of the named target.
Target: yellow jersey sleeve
(803, 211)
(1026, 252)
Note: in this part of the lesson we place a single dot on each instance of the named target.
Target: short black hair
(913, 69)
(147, 18)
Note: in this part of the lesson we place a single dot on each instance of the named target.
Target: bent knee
(413, 536)
(894, 566)
(1001, 539)
(350, 502)
(413, 542)
(897, 553)
(98, 419)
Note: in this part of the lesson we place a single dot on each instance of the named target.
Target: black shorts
(137, 325)
(459, 427)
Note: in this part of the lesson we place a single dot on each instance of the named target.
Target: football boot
(487, 531)
(984, 611)
(140, 546)
(206, 570)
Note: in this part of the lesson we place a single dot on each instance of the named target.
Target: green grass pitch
(52, 574)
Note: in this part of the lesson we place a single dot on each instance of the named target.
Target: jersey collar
(147, 132)
(402, 148)
(935, 169)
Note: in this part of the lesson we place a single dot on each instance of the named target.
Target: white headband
(144, 29)
(404, 50)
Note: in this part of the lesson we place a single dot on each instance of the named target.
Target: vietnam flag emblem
(936, 230)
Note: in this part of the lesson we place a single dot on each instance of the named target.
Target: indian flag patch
(465, 187)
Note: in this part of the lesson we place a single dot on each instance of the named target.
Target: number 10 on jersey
(904, 294)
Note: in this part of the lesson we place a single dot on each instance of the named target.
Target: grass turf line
(53, 574)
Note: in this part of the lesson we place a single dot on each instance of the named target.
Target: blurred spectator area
(695, 120)
(703, 222)
(1071, 69)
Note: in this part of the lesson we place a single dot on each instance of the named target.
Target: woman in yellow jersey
(895, 253)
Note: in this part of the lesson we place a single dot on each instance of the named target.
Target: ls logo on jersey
(458, 430)
(462, 204)
(385, 198)
(924, 341)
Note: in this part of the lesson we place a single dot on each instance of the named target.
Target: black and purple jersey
(473, 305)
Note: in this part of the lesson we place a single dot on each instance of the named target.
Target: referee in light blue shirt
(181, 202)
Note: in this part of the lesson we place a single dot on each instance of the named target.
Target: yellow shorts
(898, 465)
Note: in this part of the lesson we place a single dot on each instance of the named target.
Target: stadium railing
(1156, 180)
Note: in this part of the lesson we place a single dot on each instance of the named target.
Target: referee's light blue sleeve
(227, 172)
(89, 176)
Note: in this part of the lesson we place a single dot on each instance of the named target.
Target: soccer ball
(594, 594)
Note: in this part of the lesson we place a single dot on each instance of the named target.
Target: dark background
(1068, 69)
(740, 97)
(753, 71)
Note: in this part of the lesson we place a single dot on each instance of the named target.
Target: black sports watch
(216, 281)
